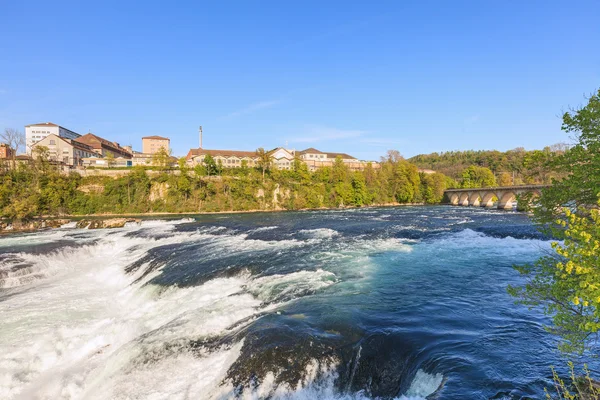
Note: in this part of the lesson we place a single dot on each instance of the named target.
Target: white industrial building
(36, 132)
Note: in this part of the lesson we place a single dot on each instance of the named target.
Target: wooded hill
(526, 167)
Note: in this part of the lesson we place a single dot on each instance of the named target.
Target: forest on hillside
(517, 166)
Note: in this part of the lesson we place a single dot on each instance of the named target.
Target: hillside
(517, 166)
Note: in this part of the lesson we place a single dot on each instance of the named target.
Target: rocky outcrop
(158, 191)
(33, 225)
(91, 188)
(105, 223)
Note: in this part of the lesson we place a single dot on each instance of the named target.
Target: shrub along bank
(37, 189)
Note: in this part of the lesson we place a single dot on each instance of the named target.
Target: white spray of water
(79, 327)
(83, 329)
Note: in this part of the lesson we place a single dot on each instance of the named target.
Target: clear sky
(355, 77)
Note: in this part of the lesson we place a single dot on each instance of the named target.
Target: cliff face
(158, 191)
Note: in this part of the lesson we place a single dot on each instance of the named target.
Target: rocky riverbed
(37, 224)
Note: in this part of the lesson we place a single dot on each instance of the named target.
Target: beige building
(316, 159)
(36, 132)
(152, 144)
(281, 158)
(65, 151)
(227, 158)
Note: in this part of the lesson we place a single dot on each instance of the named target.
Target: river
(354, 304)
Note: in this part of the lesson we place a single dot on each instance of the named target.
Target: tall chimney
(200, 131)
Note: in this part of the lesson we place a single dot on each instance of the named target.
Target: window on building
(52, 141)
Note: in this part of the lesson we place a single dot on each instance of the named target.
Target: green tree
(210, 165)
(475, 176)
(161, 159)
(578, 168)
(110, 159)
(505, 179)
(264, 161)
(359, 188)
(567, 283)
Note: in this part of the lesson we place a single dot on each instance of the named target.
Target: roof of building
(156, 137)
(343, 155)
(222, 153)
(98, 143)
(42, 124)
(52, 124)
(74, 143)
(311, 150)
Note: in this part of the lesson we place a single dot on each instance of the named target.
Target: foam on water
(76, 325)
(321, 233)
(264, 229)
(319, 383)
(85, 329)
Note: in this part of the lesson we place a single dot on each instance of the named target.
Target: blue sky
(355, 77)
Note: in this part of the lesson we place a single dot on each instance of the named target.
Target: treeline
(38, 188)
(517, 166)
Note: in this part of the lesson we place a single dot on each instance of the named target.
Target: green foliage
(40, 189)
(579, 167)
(580, 387)
(475, 177)
(210, 166)
(527, 167)
(161, 159)
(567, 283)
(264, 161)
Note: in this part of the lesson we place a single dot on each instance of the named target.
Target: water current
(389, 303)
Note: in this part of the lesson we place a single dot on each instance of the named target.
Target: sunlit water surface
(384, 303)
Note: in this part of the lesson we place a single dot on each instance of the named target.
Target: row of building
(71, 149)
(75, 150)
(281, 158)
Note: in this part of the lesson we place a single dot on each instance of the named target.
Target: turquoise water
(405, 302)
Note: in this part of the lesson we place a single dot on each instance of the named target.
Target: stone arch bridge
(506, 196)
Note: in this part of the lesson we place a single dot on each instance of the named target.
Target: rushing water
(354, 304)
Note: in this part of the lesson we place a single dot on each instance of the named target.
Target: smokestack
(200, 132)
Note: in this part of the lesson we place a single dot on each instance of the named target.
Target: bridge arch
(463, 199)
(487, 200)
(474, 199)
(506, 200)
(454, 197)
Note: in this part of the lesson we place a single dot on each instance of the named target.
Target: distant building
(316, 159)
(144, 159)
(104, 147)
(100, 162)
(152, 144)
(282, 158)
(65, 151)
(6, 151)
(36, 132)
(227, 158)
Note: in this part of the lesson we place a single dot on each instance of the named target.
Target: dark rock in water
(379, 365)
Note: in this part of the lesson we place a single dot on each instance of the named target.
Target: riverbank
(113, 220)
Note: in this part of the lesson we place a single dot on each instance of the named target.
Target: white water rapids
(76, 326)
